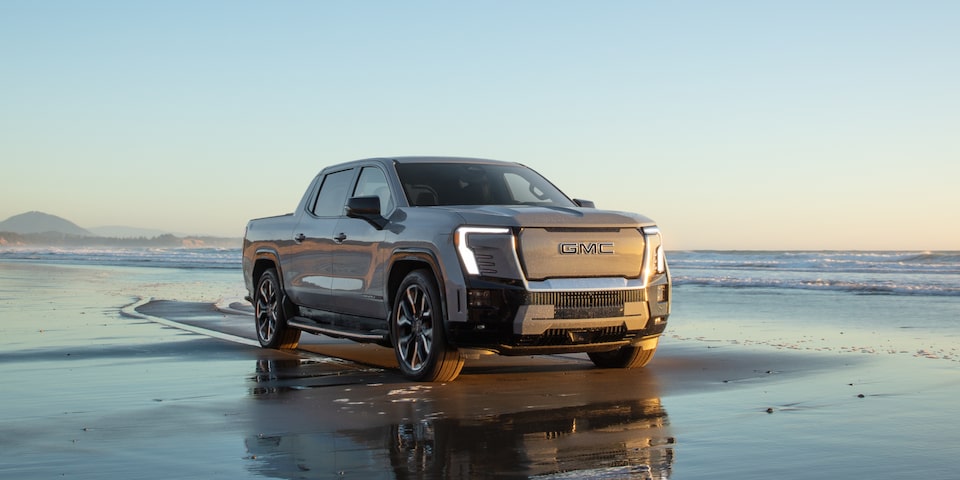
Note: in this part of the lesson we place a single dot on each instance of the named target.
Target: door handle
(340, 238)
(299, 238)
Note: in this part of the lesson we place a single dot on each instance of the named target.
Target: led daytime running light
(463, 247)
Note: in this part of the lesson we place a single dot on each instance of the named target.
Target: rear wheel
(270, 315)
(416, 325)
(625, 357)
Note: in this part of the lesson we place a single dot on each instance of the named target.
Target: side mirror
(584, 203)
(359, 206)
(366, 208)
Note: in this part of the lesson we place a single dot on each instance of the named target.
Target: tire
(270, 316)
(624, 357)
(417, 331)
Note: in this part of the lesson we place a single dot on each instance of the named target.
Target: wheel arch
(262, 265)
(404, 262)
(264, 261)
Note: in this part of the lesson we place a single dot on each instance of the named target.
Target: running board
(310, 326)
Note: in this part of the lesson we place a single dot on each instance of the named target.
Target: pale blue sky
(736, 125)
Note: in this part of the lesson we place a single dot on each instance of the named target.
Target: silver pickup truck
(441, 258)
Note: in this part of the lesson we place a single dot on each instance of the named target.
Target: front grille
(590, 304)
(601, 298)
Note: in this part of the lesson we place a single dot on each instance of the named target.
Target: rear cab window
(332, 197)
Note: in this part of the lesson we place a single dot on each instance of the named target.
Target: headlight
(462, 241)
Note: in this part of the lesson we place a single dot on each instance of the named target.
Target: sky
(735, 125)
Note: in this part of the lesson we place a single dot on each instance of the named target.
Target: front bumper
(511, 320)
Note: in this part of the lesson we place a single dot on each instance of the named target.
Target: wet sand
(99, 381)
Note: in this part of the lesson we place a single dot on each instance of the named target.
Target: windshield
(427, 184)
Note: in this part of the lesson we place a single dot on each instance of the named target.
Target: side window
(373, 182)
(333, 194)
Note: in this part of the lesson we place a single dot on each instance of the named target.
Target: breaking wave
(209, 258)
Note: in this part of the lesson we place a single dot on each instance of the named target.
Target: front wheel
(416, 325)
(270, 315)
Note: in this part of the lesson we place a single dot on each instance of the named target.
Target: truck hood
(548, 217)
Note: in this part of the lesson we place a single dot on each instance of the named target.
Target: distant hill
(39, 222)
(38, 228)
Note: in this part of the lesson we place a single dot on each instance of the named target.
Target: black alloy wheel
(417, 329)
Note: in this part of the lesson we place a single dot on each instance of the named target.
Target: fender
(420, 255)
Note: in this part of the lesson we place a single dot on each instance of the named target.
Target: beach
(148, 369)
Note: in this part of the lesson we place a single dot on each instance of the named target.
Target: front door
(358, 282)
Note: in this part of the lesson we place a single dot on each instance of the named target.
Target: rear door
(309, 269)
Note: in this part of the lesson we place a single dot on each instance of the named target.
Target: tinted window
(428, 184)
(333, 194)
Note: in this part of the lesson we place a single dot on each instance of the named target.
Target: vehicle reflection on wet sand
(316, 419)
(335, 409)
